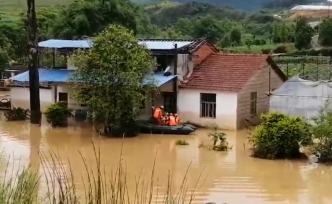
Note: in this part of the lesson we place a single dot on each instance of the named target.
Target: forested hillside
(246, 4)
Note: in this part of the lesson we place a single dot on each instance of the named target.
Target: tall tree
(325, 32)
(109, 78)
(303, 34)
(35, 116)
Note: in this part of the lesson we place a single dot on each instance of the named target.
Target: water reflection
(225, 177)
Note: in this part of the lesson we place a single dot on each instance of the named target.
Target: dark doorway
(169, 102)
(63, 97)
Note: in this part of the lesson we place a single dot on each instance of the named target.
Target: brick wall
(201, 53)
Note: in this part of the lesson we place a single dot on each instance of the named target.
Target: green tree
(325, 32)
(284, 33)
(235, 36)
(248, 43)
(303, 34)
(109, 77)
(226, 41)
(207, 27)
(89, 17)
(276, 33)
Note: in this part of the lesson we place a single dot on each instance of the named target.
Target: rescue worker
(172, 121)
(166, 118)
(177, 119)
(157, 114)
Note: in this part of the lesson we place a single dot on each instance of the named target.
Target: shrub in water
(16, 114)
(219, 140)
(57, 114)
(278, 136)
(322, 133)
(181, 142)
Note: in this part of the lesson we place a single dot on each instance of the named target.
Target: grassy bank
(100, 187)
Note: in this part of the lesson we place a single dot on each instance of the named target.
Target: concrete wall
(226, 103)
(258, 83)
(20, 97)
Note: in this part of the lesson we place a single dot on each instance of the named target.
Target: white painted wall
(20, 97)
(189, 108)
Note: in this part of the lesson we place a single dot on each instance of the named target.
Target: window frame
(209, 101)
(253, 103)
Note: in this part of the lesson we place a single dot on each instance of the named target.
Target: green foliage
(57, 114)
(325, 32)
(322, 132)
(219, 140)
(181, 142)
(303, 34)
(109, 78)
(22, 187)
(235, 37)
(280, 49)
(279, 136)
(86, 17)
(16, 114)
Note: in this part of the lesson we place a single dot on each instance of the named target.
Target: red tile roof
(225, 72)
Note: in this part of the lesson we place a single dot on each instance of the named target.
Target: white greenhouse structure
(299, 97)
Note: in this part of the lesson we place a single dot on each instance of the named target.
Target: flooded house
(175, 60)
(227, 89)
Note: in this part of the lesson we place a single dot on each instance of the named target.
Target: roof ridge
(240, 54)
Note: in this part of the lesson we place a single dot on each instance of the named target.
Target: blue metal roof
(149, 44)
(46, 75)
(63, 75)
(65, 44)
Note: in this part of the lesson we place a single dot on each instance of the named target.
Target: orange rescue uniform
(157, 115)
(177, 120)
(172, 121)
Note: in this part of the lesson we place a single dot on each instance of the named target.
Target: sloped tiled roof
(225, 72)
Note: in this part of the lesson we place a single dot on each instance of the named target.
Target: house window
(169, 102)
(63, 97)
(208, 105)
(253, 103)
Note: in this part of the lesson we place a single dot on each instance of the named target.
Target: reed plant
(100, 187)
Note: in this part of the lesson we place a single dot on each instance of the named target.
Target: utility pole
(35, 116)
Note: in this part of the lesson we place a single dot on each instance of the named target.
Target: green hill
(15, 5)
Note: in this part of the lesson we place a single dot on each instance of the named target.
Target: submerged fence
(315, 68)
(308, 89)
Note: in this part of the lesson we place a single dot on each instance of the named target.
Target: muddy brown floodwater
(226, 177)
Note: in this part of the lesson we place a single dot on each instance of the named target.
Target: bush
(57, 114)
(16, 114)
(279, 136)
(257, 42)
(219, 140)
(280, 49)
(322, 133)
(266, 51)
(181, 142)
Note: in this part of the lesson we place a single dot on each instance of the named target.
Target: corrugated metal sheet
(63, 75)
(65, 44)
(46, 75)
(164, 45)
(310, 8)
(149, 44)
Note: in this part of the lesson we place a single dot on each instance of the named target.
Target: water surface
(226, 177)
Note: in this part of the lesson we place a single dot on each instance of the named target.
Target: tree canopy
(112, 73)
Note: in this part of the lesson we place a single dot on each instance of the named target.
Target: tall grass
(100, 187)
